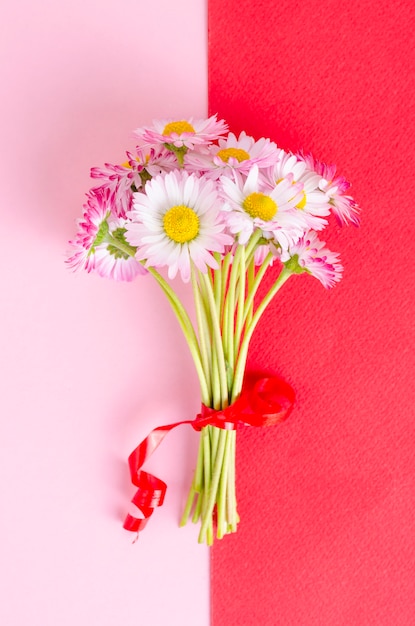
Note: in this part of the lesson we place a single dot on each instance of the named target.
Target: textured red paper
(327, 499)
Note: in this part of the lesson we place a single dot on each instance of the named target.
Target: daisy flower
(182, 134)
(314, 202)
(233, 153)
(117, 180)
(343, 206)
(310, 255)
(251, 205)
(92, 229)
(99, 244)
(123, 180)
(150, 162)
(115, 258)
(176, 223)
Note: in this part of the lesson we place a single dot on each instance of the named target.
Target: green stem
(199, 478)
(240, 303)
(203, 327)
(224, 285)
(243, 353)
(253, 288)
(242, 256)
(198, 508)
(217, 340)
(214, 439)
(222, 525)
(232, 515)
(229, 315)
(252, 245)
(249, 309)
(207, 522)
(216, 387)
(188, 331)
(123, 247)
(213, 487)
(217, 277)
(195, 489)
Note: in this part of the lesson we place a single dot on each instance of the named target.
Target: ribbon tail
(150, 489)
(150, 494)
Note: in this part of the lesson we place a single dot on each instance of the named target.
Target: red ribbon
(264, 401)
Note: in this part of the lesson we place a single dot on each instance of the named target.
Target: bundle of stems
(226, 314)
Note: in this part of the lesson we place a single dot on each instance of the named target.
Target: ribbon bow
(264, 401)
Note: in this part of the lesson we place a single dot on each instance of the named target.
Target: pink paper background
(327, 500)
(89, 366)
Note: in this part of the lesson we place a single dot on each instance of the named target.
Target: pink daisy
(100, 236)
(150, 162)
(123, 180)
(118, 180)
(343, 206)
(182, 133)
(111, 261)
(310, 255)
(92, 229)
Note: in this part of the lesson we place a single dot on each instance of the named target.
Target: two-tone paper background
(327, 500)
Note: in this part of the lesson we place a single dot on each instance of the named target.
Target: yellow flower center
(302, 202)
(235, 153)
(260, 205)
(126, 164)
(178, 127)
(181, 223)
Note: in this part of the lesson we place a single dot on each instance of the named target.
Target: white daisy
(250, 205)
(314, 202)
(182, 134)
(233, 153)
(310, 255)
(177, 222)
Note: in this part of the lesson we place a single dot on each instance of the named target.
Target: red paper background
(327, 500)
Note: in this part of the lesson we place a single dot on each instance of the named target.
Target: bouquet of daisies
(218, 210)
